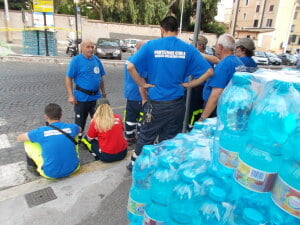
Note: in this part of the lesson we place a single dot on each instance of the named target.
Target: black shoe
(32, 170)
(129, 166)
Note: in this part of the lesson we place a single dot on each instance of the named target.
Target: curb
(91, 167)
(51, 59)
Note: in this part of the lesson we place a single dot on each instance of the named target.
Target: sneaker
(32, 170)
(129, 166)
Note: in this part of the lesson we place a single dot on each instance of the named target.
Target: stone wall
(91, 29)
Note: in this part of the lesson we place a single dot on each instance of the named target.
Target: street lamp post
(7, 23)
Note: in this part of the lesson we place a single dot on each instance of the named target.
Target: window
(269, 23)
(271, 8)
(295, 15)
(292, 28)
(245, 14)
(292, 38)
(257, 8)
(246, 2)
(255, 24)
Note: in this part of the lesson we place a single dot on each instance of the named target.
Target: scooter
(71, 48)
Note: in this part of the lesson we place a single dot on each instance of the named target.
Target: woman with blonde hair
(106, 134)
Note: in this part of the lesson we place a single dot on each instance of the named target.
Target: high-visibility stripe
(195, 113)
(131, 123)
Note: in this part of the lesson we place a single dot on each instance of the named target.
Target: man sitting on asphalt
(49, 151)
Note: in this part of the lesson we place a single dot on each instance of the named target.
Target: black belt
(165, 102)
(85, 91)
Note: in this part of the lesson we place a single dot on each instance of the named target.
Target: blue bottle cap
(282, 86)
(188, 175)
(297, 86)
(252, 216)
(148, 149)
(241, 79)
(198, 125)
(217, 194)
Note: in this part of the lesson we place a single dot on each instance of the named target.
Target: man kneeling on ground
(49, 151)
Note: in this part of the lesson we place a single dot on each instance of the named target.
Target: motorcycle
(71, 48)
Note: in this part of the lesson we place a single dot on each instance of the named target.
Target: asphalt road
(26, 88)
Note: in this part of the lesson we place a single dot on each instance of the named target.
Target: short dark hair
(248, 52)
(53, 111)
(169, 23)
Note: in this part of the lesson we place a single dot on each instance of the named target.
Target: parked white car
(260, 58)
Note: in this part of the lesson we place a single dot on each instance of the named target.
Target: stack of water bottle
(242, 168)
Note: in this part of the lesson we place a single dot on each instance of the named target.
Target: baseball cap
(102, 101)
(247, 43)
(202, 40)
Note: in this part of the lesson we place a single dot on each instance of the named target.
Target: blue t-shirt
(167, 62)
(59, 154)
(131, 89)
(222, 74)
(87, 74)
(250, 64)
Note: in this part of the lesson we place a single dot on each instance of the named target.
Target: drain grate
(39, 197)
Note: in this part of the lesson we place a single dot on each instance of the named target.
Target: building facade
(268, 23)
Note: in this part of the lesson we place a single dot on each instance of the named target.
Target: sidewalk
(13, 52)
(96, 194)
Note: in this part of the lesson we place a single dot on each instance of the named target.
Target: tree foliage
(138, 11)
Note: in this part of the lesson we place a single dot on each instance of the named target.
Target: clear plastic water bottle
(270, 125)
(183, 200)
(280, 217)
(244, 198)
(286, 191)
(234, 110)
(139, 194)
(163, 181)
(250, 216)
(213, 209)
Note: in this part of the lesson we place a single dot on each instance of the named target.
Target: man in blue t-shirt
(87, 71)
(167, 62)
(50, 152)
(244, 50)
(133, 105)
(223, 73)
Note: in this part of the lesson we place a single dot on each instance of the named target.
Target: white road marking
(4, 143)
(2, 122)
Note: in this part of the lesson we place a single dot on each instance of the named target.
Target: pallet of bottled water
(241, 168)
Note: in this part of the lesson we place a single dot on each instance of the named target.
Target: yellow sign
(43, 6)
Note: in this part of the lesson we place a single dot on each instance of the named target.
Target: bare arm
(212, 102)
(102, 88)
(69, 88)
(211, 58)
(199, 80)
(23, 137)
(143, 92)
(140, 81)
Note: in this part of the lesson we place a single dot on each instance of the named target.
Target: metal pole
(182, 5)
(7, 23)
(76, 27)
(195, 39)
(236, 15)
(46, 35)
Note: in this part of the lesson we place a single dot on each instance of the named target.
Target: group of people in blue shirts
(155, 83)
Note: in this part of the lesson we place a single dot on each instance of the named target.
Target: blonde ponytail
(104, 118)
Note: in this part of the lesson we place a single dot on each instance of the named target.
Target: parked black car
(286, 60)
(108, 48)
